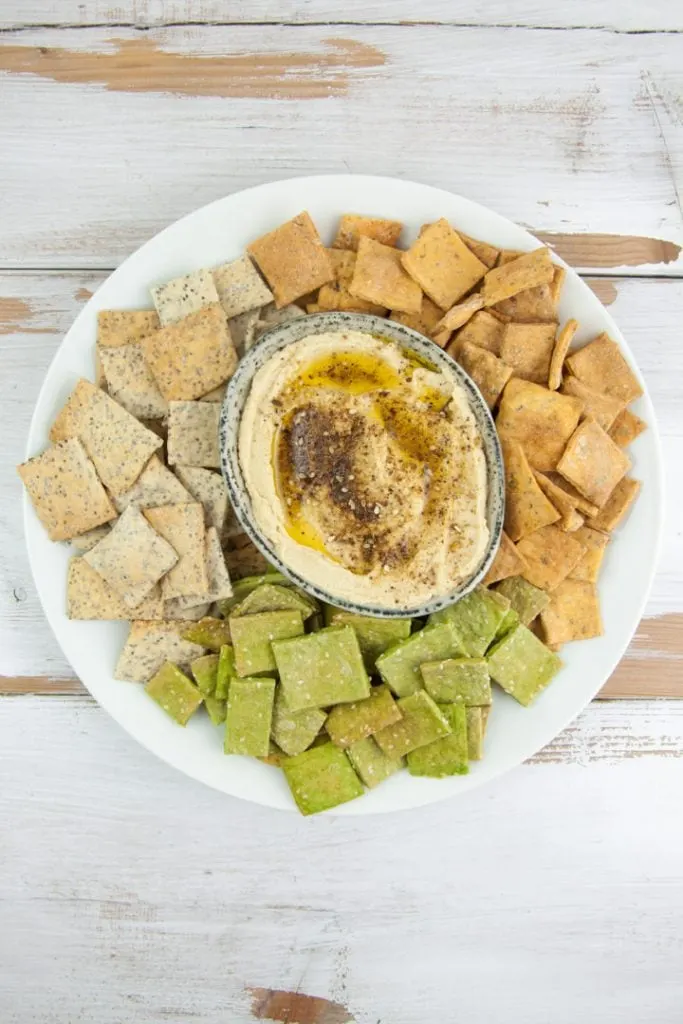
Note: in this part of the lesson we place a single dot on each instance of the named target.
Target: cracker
(65, 492)
(184, 295)
(149, 646)
(571, 494)
(487, 254)
(531, 305)
(541, 420)
(240, 287)
(130, 382)
(156, 485)
(183, 527)
(193, 434)
(442, 265)
(489, 373)
(588, 566)
(293, 259)
(573, 613)
(617, 505)
(559, 274)
(84, 541)
(89, 597)
(528, 348)
(484, 330)
(562, 343)
(353, 226)
(626, 428)
(343, 264)
(193, 356)
(132, 558)
(337, 297)
(379, 277)
(425, 321)
(592, 462)
(219, 587)
(242, 329)
(526, 507)
(604, 409)
(271, 316)
(550, 555)
(565, 505)
(508, 562)
(527, 271)
(209, 489)
(601, 365)
(458, 315)
(117, 443)
(123, 326)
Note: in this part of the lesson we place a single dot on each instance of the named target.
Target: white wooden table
(131, 894)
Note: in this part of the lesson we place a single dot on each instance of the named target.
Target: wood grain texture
(647, 310)
(612, 15)
(592, 119)
(129, 893)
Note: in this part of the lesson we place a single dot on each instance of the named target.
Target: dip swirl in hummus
(365, 470)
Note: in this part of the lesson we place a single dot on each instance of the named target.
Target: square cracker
(118, 444)
(156, 485)
(592, 462)
(617, 505)
(531, 305)
(425, 321)
(541, 420)
(89, 597)
(488, 372)
(193, 356)
(122, 326)
(488, 254)
(240, 287)
(184, 295)
(209, 489)
(522, 272)
(550, 555)
(353, 225)
(573, 613)
(193, 434)
(508, 562)
(484, 330)
(132, 558)
(379, 277)
(604, 409)
(442, 264)
(626, 428)
(526, 507)
(588, 566)
(601, 365)
(218, 587)
(130, 382)
(293, 259)
(528, 349)
(84, 541)
(182, 526)
(149, 646)
(66, 494)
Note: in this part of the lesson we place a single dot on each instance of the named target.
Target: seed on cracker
(527, 271)
(617, 505)
(550, 555)
(626, 428)
(130, 382)
(541, 420)
(603, 408)
(528, 348)
(149, 645)
(192, 356)
(240, 287)
(592, 462)
(184, 295)
(526, 507)
(573, 613)
(379, 277)
(353, 226)
(489, 373)
(209, 489)
(560, 349)
(84, 541)
(156, 485)
(122, 326)
(65, 492)
(193, 434)
(442, 264)
(293, 259)
(182, 526)
(89, 597)
(601, 365)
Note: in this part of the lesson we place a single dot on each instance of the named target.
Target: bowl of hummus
(364, 463)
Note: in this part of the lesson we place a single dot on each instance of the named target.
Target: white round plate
(220, 232)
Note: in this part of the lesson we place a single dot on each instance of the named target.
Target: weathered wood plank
(118, 931)
(599, 137)
(617, 15)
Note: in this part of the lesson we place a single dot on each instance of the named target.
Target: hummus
(365, 470)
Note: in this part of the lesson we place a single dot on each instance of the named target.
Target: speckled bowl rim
(284, 334)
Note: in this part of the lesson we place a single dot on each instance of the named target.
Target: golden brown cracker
(488, 372)
(550, 555)
(560, 349)
(528, 348)
(484, 330)
(526, 507)
(573, 613)
(293, 259)
(487, 254)
(626, 428)
(354, 226)
(527, 271)
(601, 365)
(508, 562)
(458, 315)
(425, 321)
(442, 264)
(379, 277)
(592, 462)
(617, 505)
(604, 409)
(541, 420)
(588, 567)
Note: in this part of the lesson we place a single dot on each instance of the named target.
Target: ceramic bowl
(280, 337)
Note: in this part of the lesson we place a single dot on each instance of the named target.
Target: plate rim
(544, 736)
